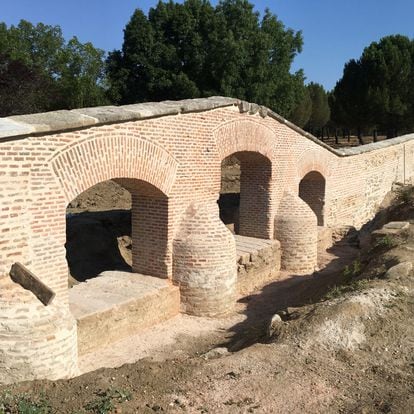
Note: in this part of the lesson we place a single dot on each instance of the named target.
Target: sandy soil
(352, 353)
(344, 343)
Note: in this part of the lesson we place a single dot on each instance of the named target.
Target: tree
(320, 107)
(302, 113)
(193, 49)
(81, 75)
(376, 91)
(24, 89)
(53, 74)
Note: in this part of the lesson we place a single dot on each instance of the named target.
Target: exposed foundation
(258, 262)
(116, 305)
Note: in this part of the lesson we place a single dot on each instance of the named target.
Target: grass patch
(353, 270)
(385, 242)
(24, 404)
(105, 401)
(339, 290)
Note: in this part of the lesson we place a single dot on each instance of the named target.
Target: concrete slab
(118, 304)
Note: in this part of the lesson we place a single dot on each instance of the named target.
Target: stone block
(55, 121)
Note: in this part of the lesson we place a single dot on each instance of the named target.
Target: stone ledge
(18, 126)
(65, 120)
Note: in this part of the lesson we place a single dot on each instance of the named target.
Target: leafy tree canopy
(377, 89)
(193, 50)
(321, 112)
(40, 71)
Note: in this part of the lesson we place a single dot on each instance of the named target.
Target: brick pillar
(150, 235)
(296, 229)
(36, 341)
(255, 218)
(204, 262)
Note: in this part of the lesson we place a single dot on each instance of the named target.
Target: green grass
(23, 404)
(104, 403)
(353, 270)
(386, 241)
(339, 290)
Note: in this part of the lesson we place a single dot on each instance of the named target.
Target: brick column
(255, 218)
(36, 341)
(150, 253)
(204, 262)
(296, 229)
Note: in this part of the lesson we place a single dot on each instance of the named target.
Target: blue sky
(334, 31)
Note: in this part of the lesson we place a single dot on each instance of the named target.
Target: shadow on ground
(294, 291)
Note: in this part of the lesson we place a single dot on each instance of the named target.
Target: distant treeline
(194, 49)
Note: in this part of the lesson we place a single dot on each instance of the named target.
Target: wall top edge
(46, 123)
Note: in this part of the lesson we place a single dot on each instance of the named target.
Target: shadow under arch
(249, 209)
(145, 169)
(312, 191)
(252, 144)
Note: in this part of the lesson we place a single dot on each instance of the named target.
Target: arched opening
(98, 232)
(245, 194)
(312, 191)
(118, 225)
(117, 241)
(229, 200)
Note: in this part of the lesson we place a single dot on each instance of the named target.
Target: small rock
(216, 353)
(275, 326)
(399, 271)
(397, 225)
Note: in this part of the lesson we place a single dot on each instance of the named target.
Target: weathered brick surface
(169, 156)
(36, 341)
(204, 262)
(296, 229)
(258, 263)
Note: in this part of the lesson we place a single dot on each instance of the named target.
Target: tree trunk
(360, 136)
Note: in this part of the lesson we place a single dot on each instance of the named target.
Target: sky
(334, 31)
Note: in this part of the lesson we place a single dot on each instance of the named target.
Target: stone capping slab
(21, 126)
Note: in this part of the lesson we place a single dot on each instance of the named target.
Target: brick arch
(82, 165)
(244, 136)
(313, 161)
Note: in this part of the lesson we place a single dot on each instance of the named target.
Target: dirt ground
(343, 344)
(350, 353)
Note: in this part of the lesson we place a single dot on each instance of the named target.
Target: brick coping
(46, 123)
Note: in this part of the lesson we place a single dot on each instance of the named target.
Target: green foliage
(23, 404)
(340, 290)
(353, 270)
(39, 71)
(320, 107)
(104, 403)
(24, 88)
(192, 49)
(303, 111)
(386, 242)
(377, 89)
